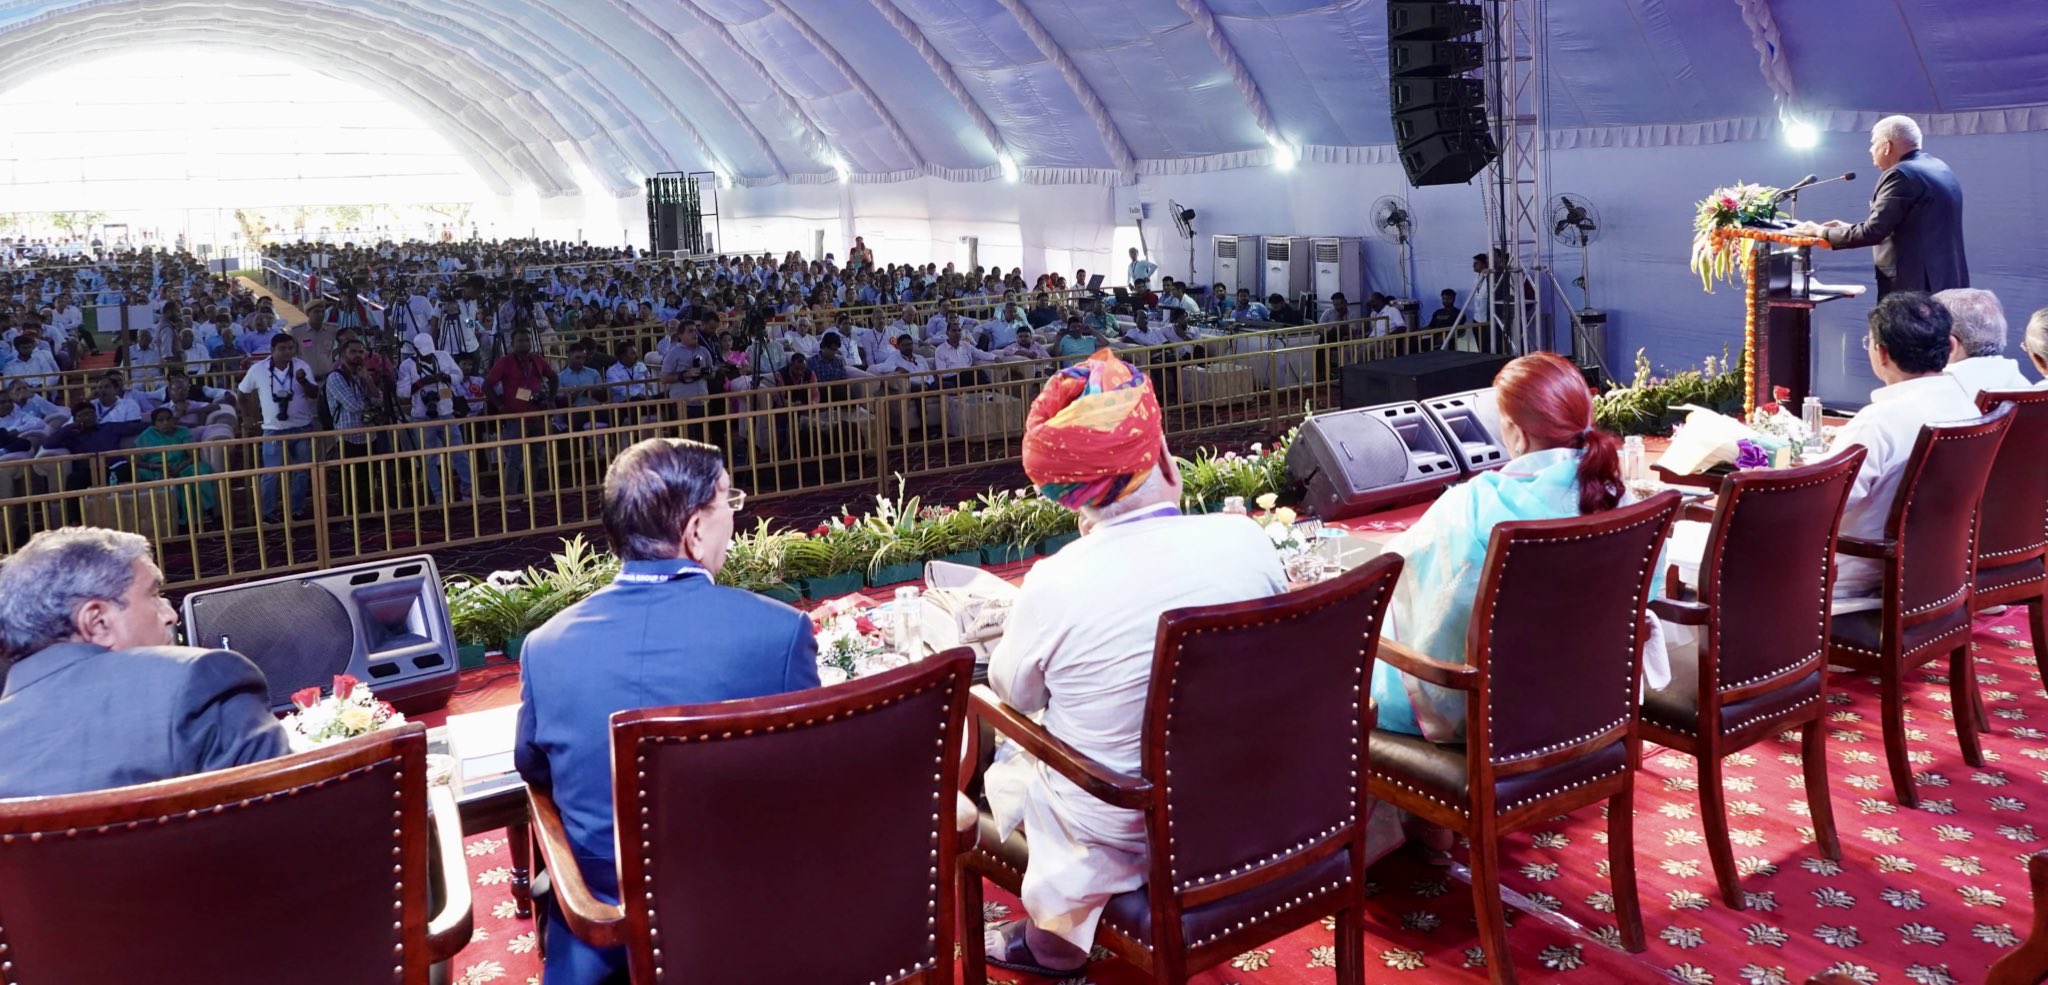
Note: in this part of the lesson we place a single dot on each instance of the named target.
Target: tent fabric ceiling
(765, 91)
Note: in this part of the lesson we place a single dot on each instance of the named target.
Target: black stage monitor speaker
(1432, 20)
(1417, 377)
(1355, 461)
(1433, 59)
(385, 623)
(1412, 127)
(1470, 422)
(1448, 158)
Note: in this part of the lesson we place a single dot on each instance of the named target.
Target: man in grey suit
(662, 633)
(95, 697)
(1916, 216)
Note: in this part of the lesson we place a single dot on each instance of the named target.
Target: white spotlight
(839, 165)
(1283, 155)
(1800, 134)
(1009, 165)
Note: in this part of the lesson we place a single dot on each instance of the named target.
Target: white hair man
(1916, 216)
(2036, 344)
(1976, 356)
(95, 695)
(1078, 646)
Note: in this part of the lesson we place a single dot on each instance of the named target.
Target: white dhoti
(1082, 851)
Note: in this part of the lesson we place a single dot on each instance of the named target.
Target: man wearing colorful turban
(1078, 644)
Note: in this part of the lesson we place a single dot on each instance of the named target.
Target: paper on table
(482, 743)
(1707, 439)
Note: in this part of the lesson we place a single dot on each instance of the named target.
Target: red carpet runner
(1928, 896)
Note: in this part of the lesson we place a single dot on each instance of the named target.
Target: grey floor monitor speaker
(1356, 461)
(1471, 424)
(384, 622)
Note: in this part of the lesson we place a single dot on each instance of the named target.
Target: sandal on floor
(1008, 950)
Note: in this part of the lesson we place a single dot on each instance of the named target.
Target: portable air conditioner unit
(1339, 267)
(1286, 265)
(1232, 267)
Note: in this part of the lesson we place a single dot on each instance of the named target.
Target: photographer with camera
(429, 379)
(519, 382)
(283, 386)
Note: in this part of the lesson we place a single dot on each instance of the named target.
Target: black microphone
(1796, 187)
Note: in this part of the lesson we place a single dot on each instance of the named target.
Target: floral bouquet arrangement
(1279, 524)
(345, 714)
(850, 644)
(1713, 252)
(1780, 434)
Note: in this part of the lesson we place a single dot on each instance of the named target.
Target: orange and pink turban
(1093, 434)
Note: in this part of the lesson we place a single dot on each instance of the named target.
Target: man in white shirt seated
(1909, 345)
(955, 355)
(112, 403)
(905, 360)
(1078, 646)
(1976, 356)
(1023, 346)
(31, 362)
(1177, 297)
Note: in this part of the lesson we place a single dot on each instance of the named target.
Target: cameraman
(428, 379)
(283, 385)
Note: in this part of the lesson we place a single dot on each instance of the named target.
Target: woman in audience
(175, 463)
(2036, 344)
(1563, 466)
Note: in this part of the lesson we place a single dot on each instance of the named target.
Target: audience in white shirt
(1977, 356)
(2035, 344)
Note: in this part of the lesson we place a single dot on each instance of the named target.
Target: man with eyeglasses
(1916, 216)
(662, 633)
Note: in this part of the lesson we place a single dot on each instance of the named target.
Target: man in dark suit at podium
(1916, 216)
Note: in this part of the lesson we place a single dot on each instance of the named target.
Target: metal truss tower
(1516, 188)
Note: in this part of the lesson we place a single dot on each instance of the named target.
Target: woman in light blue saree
(1563, 466)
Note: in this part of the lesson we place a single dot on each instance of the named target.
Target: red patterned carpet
(1928, 896)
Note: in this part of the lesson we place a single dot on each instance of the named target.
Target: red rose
(1729, 203)
(823, 530)
(1771, 407)
(1781, 393)
(865, 626)
(343, 684)
(306, 697)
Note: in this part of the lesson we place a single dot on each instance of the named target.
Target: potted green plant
(756, 562)
(485, 613)
(832, 559)
(1003, 515)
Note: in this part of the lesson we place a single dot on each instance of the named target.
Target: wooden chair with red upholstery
(2012, 539)
(1762, 619)
(1254, 749)
(1552, 677)
(2026, 964)
(309, 868)
(745, 812)
(1925, 612)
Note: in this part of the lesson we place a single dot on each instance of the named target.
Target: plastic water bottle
(909, 619)
(1234, 505)
(1809, 413)
(1635, 465)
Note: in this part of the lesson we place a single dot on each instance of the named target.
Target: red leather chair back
(1257, 722)
(1769, 567)
(310, 868)
(1558, 625)
(734, 816)
(2015, 523)
(1935, 516)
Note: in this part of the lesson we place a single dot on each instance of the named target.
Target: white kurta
(1889, 427)
(1078, 647)
(1980, 373)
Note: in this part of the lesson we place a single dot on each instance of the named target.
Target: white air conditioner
(1339, 267)
(1285, 269)
(1231, 267)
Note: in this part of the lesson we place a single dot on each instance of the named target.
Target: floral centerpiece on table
(850, 644)
(1713, 250)
(351, 710)
(1279, 524)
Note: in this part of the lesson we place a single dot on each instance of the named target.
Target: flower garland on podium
(1723, 229)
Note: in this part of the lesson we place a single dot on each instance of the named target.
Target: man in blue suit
(95, 696)
(661, 634)
(1916, 216)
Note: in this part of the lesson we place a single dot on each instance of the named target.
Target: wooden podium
(1785, 295)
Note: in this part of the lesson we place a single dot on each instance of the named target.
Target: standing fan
(1395, 224)
(1574, 222)
(1184, 220)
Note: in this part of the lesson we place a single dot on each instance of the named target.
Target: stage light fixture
(1800, 134)
(1283, 155)
(1009, 166)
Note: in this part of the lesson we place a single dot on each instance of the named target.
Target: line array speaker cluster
(1440, 123)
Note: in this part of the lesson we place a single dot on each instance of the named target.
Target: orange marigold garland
(1724, 239)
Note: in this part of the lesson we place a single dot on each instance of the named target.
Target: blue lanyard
(686, 569)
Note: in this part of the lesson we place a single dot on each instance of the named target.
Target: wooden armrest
(1680, 612)
(1701, 510)
(593, 921)
(1882, 550)
(449, 930)
(1104, 784)
(1455, 676)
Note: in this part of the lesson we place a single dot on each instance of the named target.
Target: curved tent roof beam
(1204, 20)
(853, 78)
(814, 135)
(512, 81)
(943, 69)
(481, 147)
(718, 89)
(1112, 136)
